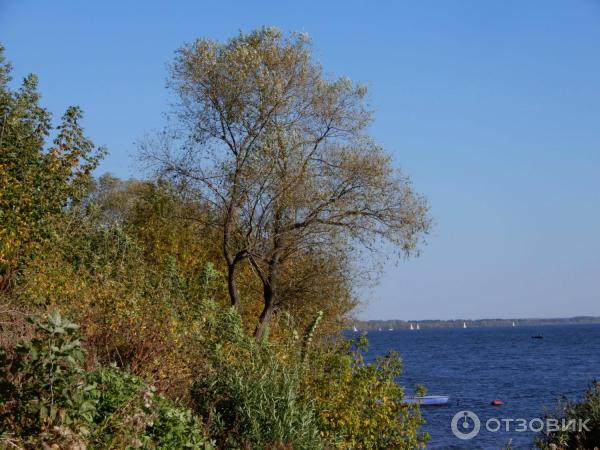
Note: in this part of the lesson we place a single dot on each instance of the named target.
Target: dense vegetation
(50, 401)
(200, 308)
(570, 433)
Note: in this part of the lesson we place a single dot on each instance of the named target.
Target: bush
(129, 413)
(44, 392)
(360, 405)
(50, 401)
(130, 312)
(586, 408)
(248, 397)
(300, 394)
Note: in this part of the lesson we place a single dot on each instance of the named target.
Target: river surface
(477, 365)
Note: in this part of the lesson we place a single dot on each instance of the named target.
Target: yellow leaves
(358, 405)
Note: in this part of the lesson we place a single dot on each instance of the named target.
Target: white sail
(418, 327)
(513, 324)
(464, 324)
(355, 329)
(411, 327)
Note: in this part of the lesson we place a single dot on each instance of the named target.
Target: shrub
(50, 401)
(248, 397)
(129, 413)
(360, 405)
(130, 312)
(586, 408)
(44, 392)
(298, 393)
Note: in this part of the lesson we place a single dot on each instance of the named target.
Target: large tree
(37, 180)
(281, 153)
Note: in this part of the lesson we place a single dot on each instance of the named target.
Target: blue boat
(428, 400)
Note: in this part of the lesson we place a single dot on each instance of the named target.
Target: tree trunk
(265, 315)
(270, 281)
(231, 261)
(231, 287)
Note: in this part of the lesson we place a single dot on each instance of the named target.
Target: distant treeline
(460, 323)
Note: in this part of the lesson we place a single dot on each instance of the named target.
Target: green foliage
(45, 394)
(138, 314)
(36, 182)
(49, 399)
(588, 409)
(5, 69)
(292, 394)
(360, 405)
(248, 397)
(129, 413)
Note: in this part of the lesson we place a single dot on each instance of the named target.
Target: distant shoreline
(367, 325)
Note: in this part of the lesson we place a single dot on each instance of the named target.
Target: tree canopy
(282, 155)
(36, 181)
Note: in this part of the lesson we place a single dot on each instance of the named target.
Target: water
(476, 365)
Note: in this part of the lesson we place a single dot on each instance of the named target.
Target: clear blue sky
(493, 108)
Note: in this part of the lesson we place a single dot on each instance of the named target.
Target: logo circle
(460, 425)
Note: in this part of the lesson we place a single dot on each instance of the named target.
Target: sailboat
(390, 329)
(513, 324)
(379, 329)
(355, 329)
(464, 324)
(418, 327)
(411, 327)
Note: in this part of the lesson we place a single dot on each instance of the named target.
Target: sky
(491, 107)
